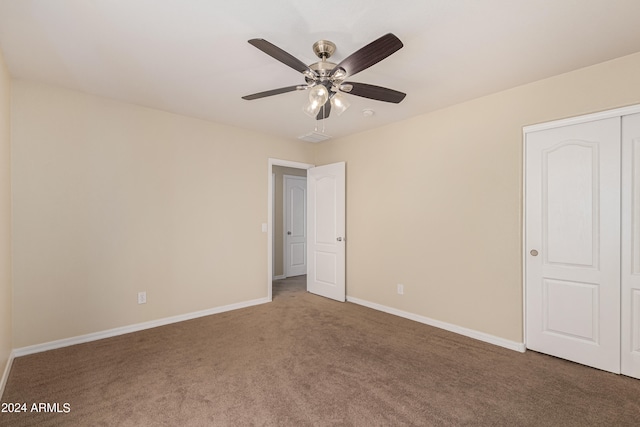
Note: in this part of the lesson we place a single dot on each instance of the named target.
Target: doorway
(325, 217)
(275, 233)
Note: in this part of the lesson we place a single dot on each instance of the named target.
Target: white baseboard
(282, 276)
(491, 339)
(23, 351)
(5, 375)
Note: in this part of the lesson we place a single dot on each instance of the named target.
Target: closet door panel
(572, 185)
(630, 291)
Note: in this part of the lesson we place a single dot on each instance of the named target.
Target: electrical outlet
(142, 297)
(400, 289)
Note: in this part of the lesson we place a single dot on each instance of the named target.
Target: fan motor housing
(323, 68)
(323, 50)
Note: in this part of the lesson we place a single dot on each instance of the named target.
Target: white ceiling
(191, 57)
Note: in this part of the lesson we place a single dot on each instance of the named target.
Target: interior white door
(573, 242)
(326, 231)
(630, 298)
(295, 225)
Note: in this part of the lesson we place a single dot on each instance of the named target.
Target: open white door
(326, 231)
(630, 299)
(573, 243)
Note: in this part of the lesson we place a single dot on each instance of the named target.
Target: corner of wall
(6, 299)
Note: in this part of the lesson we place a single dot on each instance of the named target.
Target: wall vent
(314, 137)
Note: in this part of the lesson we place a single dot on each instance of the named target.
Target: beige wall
(435, 202)
(5, 218)
(278, 223)
(111, 199)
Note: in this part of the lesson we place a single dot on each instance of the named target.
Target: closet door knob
(533, 252)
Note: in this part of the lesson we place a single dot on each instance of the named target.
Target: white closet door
(573, 242)
(630, 298)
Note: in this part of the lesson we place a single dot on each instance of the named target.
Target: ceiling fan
(326, 80)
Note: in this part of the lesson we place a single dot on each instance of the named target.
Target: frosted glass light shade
(318, 96)
(339, 103)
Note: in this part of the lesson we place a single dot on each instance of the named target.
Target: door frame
(617, 112)
(275, 162)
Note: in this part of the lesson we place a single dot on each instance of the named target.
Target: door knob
(339, 239)
(533, 252)
(289, 233)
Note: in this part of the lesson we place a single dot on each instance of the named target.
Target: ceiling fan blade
(369, 55)
(324, 111)
(375, 92)
(282, 56)
(273, 92)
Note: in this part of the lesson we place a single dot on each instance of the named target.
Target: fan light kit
(325, 80)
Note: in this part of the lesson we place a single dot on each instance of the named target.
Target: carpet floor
(305, 360)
